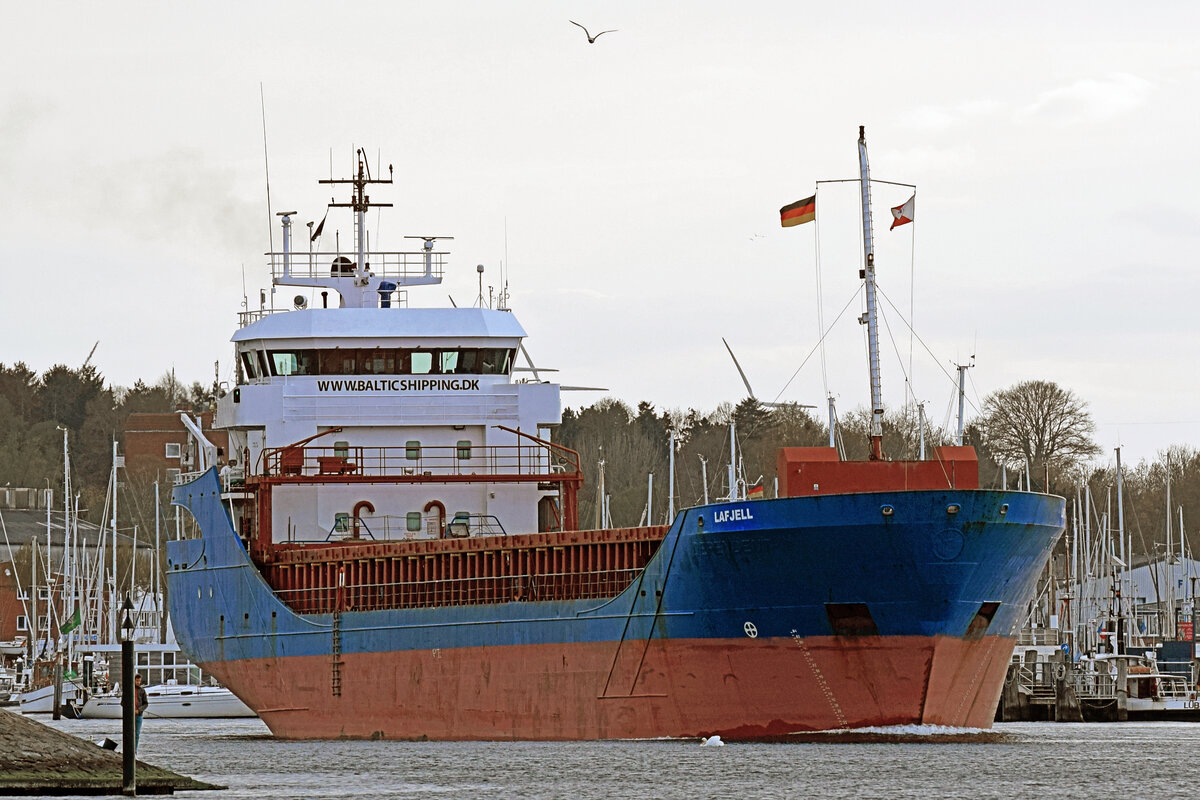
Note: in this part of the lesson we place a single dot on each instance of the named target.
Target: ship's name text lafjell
(732, 515)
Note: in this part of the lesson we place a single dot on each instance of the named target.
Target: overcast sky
(632, 186)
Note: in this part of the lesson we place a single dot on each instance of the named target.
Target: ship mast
(360, 203)
(869, 317)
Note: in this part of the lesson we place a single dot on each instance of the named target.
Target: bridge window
(378, 361)
(293, 362)
(421, 362)
(248, 364)
(283, 363)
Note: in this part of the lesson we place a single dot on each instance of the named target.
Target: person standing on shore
(140, 701)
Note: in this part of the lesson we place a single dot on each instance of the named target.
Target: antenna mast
(360, 203)
(869, 317)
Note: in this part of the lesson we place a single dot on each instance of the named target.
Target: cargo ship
(396, 553)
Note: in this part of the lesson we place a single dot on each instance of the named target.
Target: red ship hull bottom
(740, 689)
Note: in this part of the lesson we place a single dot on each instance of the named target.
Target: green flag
(71, 624)
(70, 674)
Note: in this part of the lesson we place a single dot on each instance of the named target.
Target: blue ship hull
(752, 620)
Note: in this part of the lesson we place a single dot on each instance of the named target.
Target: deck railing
(396, 266)
(416, 461)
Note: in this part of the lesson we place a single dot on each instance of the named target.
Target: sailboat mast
(112, 594)
(67, 600)
(869, 317)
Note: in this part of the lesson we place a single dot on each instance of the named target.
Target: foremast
(870, 317)
(360, 203)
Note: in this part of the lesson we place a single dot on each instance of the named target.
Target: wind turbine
(538, 370)
(746, 381)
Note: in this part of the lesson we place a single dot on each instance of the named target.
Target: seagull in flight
(591, 39)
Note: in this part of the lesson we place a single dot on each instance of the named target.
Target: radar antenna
(429, 240)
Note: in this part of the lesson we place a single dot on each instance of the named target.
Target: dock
(36, 759)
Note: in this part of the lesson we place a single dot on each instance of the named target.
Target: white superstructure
(364, 387)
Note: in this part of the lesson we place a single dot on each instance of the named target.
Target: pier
(38, 760)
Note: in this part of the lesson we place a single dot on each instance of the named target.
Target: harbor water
(1013, 760)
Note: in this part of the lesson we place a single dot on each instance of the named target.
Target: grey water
(1012, 760)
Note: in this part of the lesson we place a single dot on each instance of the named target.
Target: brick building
(14, 621)
(157, 445)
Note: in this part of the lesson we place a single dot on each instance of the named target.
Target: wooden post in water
(56, 712)
(1066, 701)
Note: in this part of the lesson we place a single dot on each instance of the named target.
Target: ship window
(412, 520)
(377, 362)
(412, 450)
(468, 362)
(341, 522)
(249, 365)
(337, 362)
(422, 362)
(171, 450)
(341, 449)
(293, 362)
(264, 363)
(464, 449)
(284, 363)
(385, 361)
(496, 361)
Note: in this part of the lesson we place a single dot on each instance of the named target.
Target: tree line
(35, 409)
(1035, 432)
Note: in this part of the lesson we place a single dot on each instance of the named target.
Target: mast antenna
(266, 166)
(869, 318)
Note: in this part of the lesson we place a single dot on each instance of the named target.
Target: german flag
(799, 212)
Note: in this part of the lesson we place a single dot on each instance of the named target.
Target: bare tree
(1039, 424)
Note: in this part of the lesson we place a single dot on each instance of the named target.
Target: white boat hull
(173, 702)
(41, 701)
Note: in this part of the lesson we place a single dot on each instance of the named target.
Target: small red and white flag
(905, 213)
